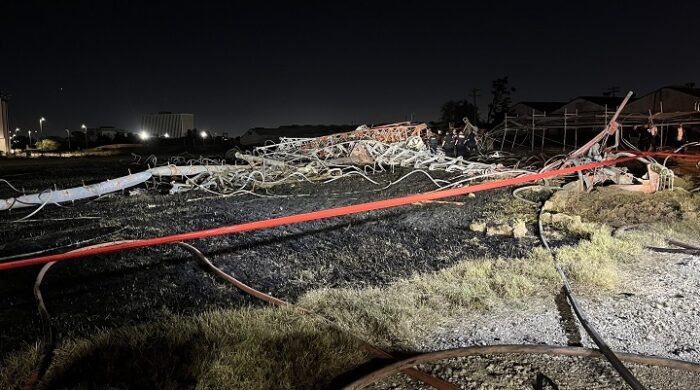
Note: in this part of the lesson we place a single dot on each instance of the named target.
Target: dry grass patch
(617, 207)
(595, 261)
(405, 312)
(230, 349)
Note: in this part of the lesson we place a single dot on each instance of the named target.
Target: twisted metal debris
(362, 152)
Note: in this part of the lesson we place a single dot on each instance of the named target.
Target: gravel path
(518, 371)
(655, 311)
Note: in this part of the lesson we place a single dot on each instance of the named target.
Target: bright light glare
(144, 135)
(166, 135)
(203, 134)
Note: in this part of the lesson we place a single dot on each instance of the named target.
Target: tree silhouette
(501, 102)
(453, 111)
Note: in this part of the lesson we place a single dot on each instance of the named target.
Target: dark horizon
(242, 66)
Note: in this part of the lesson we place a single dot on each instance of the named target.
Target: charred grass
(254, 348)
(257, 348)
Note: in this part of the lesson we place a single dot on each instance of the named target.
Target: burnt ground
(140, 286)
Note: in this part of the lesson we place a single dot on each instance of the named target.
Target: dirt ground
(134, 287)
(366, 250)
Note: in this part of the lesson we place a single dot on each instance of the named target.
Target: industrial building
(167, 124)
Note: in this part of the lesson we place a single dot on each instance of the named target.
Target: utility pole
(475, 94)
(41, 126)
(612, 91)
(85, 129)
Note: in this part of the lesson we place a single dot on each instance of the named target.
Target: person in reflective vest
(448, 145)
(472, 147)
(461, 144)
(432, 141)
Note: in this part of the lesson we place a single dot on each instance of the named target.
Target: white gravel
(655, 310)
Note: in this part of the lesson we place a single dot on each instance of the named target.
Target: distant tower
(4, 126)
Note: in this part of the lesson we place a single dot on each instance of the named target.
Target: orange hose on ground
(323, 214)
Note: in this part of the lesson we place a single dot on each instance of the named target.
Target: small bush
(48, 145)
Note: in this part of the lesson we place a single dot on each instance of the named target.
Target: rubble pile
(367, 151)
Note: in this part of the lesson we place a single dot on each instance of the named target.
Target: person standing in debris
(432, 141)
(680, 136)
(461, 144)
(654, 132)
(644, 139)
(472, 147)
(448, 144)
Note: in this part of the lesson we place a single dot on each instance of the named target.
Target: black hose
(624, 372)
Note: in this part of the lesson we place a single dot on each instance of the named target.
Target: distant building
(103, 133)
(540, 108)
(4, 128)
(175, 125)
(666, 99)
(109, 132)
(590, 104)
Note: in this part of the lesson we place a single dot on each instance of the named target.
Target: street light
(203, 134)
(166, 135)
(144, 135)
(68, 131)
(86, 137)
(41, 126)
(30, 139)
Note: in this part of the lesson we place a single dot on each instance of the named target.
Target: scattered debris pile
(363, 152)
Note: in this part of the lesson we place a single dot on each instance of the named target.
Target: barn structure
(523, 109)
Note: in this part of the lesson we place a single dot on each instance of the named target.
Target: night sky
(263, 63)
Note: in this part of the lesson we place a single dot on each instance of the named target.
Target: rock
(479, 227)
(546, 217)
(560, 219)
(519, 229)
(576, 220)
(499, 230)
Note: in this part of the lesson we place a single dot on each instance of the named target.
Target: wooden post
(563, 148)
(544, 133)
(505, 131)
(532, 140)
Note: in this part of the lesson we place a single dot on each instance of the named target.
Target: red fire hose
(322, 214)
